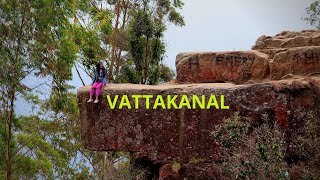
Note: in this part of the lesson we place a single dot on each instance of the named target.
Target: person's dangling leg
(98, 89)
(94, 86)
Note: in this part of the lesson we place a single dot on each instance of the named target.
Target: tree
(112, 23)
(92, 29)
(39, 40)
(34, 41)
(166, 73)
(98, 33)
(313, 12)
(146, 30)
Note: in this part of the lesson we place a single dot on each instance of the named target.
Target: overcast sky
(218, 25)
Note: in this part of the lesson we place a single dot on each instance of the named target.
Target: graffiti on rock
(235, 60)
(244, 62)
(307, 57)
(194, 61)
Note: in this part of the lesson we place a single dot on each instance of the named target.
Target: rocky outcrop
(277, 78)
(288, 39)
(300, 61)
(291, 53)
(272, 58)
(164, 136)
(237, 67)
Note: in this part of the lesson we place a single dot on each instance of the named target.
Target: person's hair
(98, 68)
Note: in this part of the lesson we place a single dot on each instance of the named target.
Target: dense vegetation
(41, 42)
(268, 151)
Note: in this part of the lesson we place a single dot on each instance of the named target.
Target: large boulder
(300, 61)
(288, 39)
(165, 136)
(237, 67)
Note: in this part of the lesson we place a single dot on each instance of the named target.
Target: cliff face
(277, 78)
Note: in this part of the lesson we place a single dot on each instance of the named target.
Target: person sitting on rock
(99, 80)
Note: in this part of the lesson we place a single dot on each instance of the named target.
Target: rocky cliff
(279, 77)
(285, 55)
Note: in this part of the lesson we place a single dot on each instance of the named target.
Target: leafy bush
(306, 148)
(251, 152)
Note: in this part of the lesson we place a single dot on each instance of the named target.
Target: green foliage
(195, 160)
(35, 40)
(231, 132)
(38, 39)
(313, 13)
(168, 9)
(307, 149)
(128, 74)
(176, 167)
(146, 46)
(88, 41)
(176, 18)
(121, 32)
(251, 153)
(166, 73)
(46, 145)
(261, 153)
(92, 36)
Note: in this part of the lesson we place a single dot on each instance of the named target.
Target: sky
(221, 25)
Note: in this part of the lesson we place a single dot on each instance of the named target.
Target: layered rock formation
(272, 58)
(237, 67)
(279, 77)
(288, 39)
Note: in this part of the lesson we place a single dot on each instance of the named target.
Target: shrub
(251, 152)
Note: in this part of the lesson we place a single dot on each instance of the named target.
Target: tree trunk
(119, 62)
(9, 133)
(75, 65)
(146, 63)
(124, 21)
(113, 41)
